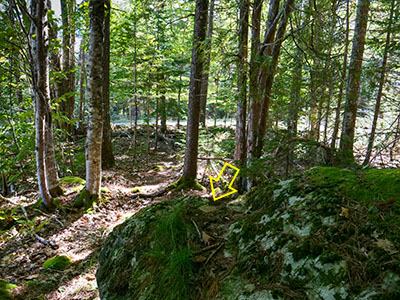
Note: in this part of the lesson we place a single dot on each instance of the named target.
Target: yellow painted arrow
(232, 190)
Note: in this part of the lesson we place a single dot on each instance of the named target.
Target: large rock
(329, 233)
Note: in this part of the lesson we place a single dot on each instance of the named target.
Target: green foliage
(59, 262)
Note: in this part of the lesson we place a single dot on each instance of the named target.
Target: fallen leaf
(30, 277)
(206, 238)
(386, 245)
(344, 212)
(90, 277)
(199, 259)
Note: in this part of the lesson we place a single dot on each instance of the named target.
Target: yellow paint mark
(232, 190)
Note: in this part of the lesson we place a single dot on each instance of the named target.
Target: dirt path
(80, 234)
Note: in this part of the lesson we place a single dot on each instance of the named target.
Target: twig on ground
(213, 253)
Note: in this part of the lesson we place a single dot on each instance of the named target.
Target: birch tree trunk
(95, 104)
(192, 134)
(380, 90)
(40, 83)
(107, 151)
(343, 78)
(82, 82)
(353, 86)
(206, 72)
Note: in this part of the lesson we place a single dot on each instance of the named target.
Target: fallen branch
(7, 200)
(216, 158)
(213, 253)
(44, 241)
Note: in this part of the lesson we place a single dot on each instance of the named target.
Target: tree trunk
(254, 103)
(95, 84)
(343, 78)
(192, 134)
(163, 113)
(240, 134)
(380, 90)
(107, 155)
(82, 83)
(40, 83)
(206, 71)
(353, 86)
(68, 60)
(287, 9)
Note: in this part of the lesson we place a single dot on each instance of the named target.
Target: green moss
(182, 184)
(59, 262)
(136, 189)
(85, 199)
(72, 180)
(5, 288)
(157, 167)
(104, 190)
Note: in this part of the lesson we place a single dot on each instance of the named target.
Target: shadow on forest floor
(79, 234)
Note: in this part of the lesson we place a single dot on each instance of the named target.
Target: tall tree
(40, 84)
(107, 155)
(82, 82)
(342, 79)
(68, 60)
(206, 72)
(95, 82)
(192, 134)
(353, 85)
(280, 34)
(382, 73)
(240, 135)
(254, 103)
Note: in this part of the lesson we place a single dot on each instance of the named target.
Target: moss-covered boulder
(59, 262)
(329, 233)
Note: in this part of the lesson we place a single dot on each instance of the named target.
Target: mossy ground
(330, 233)
(182, 184)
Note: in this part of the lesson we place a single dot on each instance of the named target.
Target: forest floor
(79, 234)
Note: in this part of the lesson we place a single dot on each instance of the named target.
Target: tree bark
(95, 104)
(192, 133)
(240, 134)
(254, 103)
(40, 83)
(380, 90)
(343, 78)
(353, 86)
(68, 60)
(287, 9)
(206, 72)
(82, 83)
(107, 151)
